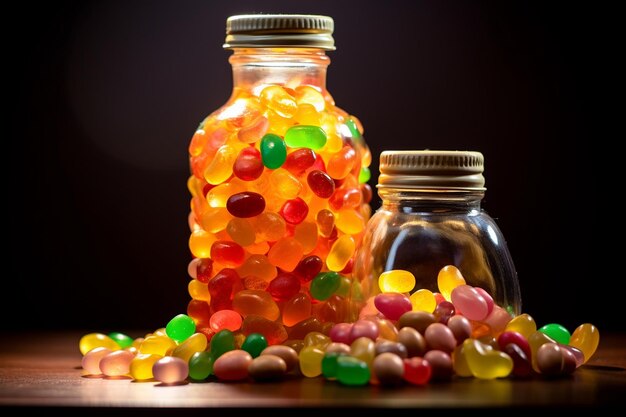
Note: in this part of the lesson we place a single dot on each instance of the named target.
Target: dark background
(104, 97)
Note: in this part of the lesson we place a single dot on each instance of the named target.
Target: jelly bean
(423, 300)
(449, 278)
(286, 253)
(219, 195)
(550, 360)
(486, 363)
(306, 234)
(267, 367)
(325, 220)
(508, 337)
(488, 298)
(284, 184)
(121, 339)
(299, 161)
(245, 204)
(199, 311)
(215, 219)
(294, 211)
(386, 346)
(396, 281)
(91, 360)
(340, 333)
(364, 175)
(556, 332)
(388, 368)
(341, 163)
(200, 243)
(141, 366)
(355, 127)
(308, 268)
(363, 328)
(444, 311)
(180, 327)
(521, 362)
(222, 342)
(284, 286)
(225, 319)
(439, 336)
(340, 253)
(480, 329)
(324, 285)
(94, 340)
(469, 302)
(287, 354)
(116, 363)
(255, 131)
(307, 115)
(497, 320)
(157, 345)
(232, 365)
(317, 339)
(461, 328)
(352, 371)
(311, 361)
(221, 166)
(306, 94)
(227, 253)
(296, 309)
(523, 324)
(413, 341)
(248, 165)
(417, 371)
(201, 366)
(392, 305)
(195, 343)
(329, 364)
(441, 365)
(303, 136)
(255, 302)
(536, 340)
(459, 362)
(418, 320)
(241, 231)
(273, 151)
(276, 98)
(350, 222)
(222, 287)
(241, 112)
(320, 183)
(198, 141)
(259, 266)
(270, 226)
(586, 337)
(198, 290)
(273, 332)
(579, 356)
(254, 344)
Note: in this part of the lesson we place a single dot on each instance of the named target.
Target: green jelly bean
(121, 339)
(354, 131)
(557, 332)
(352, 371)
(201, 366)
(303, 136)
(180, 328)
(364, 175)
(329, 364)
(222, 342)
(254, 344)
(273, 151)
(324, 285)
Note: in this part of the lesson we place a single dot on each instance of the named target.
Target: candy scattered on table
(394, 342)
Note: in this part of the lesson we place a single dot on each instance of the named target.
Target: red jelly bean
(204, 270)
(515, 338)
(392, 305)
(246, 204)
(248, 166)
(284, 286)
(227, 253)
(417, 371)
(199, 311)
(444, 311)
(222, 287)
(321, 184)
(300, 160)
(294, 211)
(308, 268)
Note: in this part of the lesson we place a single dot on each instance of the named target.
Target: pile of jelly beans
(279, 203)
(399, 338)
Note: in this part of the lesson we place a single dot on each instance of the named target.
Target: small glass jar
(431, 217)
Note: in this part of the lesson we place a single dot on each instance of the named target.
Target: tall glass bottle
(278, 185)
(431, 217)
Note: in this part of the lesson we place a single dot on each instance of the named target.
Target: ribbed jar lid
(437, 170)
(279, 31)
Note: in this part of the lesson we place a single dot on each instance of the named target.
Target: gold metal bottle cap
(436, 170)
(279, 31)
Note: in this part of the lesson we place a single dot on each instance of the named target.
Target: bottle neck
(255, 68)
(429, 201)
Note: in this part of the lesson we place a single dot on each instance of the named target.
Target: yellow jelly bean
(396, 280)
(200, 243)
(276, 98)
(141, 366)
(199, 291)
(157, 344)
(423, 300)
(269, 226)
(307, 95)
(307, 115)
(448, 279)
(241, 231)
(363, 348)
(340, 253)
(221, 167)
(586, 337)
(255, 131)
(218, 196)
(195, 343)
(523, 324)
(284, 184)
(349, 221)
(317, 339)
(94, 340)
(311, 361)
(215, 219)
(484, 362)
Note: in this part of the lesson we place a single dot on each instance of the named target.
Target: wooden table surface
(44, 370)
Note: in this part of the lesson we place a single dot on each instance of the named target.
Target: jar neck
(429, 201)
(255, 68)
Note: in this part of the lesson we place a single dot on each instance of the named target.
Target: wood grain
(44, 370)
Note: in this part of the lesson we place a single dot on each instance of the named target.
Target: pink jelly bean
(116, 363)
(498, 319)
(170, 370)
(364, 328)
(91, 360)
(469, 302)
(340, 333)
(392, 305)
(488, 298)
